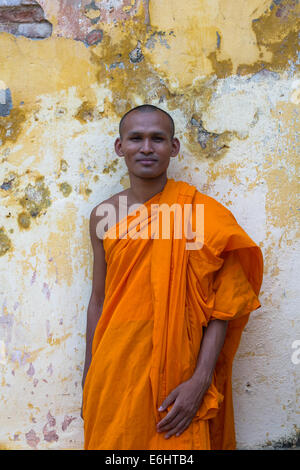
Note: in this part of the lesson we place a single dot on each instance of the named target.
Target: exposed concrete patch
(5, 100)
(157, 37)
(94, 37)
(24, 18)
(136, 54)
(76, 19)
(10, 182)
(147, 11)
(211, 143)
(93, 12)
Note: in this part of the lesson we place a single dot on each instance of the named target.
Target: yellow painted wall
(227, 71)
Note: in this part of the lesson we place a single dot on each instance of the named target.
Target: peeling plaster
(24, 18)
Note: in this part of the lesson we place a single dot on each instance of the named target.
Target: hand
(187, 398)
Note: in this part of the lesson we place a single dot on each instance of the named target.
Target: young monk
(165, 317)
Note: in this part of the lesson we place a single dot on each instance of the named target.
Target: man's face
(146, 143)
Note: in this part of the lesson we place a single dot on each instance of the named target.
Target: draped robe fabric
(159, 298)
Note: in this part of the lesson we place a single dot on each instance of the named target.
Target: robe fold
(159, 297)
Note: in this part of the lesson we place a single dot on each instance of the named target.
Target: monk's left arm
(211, 345)
(187, 397)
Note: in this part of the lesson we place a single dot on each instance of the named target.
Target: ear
(175, 147)
(118, 147)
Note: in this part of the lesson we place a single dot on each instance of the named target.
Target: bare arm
(187, 397)
(98, 291)
(211, 345)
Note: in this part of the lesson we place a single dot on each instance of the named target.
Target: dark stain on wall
(87, 112)
(222, 68)
(277, 32)
(36, 198)
(5, 243)
(292, 442)
(24, 220)
(65, 188)
(111, 167)
(11, 126)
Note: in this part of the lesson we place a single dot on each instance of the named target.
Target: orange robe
(159, 296)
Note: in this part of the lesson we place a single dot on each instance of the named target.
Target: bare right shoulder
(104, 215)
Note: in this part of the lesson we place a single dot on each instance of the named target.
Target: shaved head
(148, 108)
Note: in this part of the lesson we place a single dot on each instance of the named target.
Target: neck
(142, 189)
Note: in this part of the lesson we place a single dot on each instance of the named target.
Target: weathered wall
(228, 73)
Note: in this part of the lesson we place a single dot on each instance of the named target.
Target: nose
(146, 146)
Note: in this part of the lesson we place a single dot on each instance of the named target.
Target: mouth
(147, 161)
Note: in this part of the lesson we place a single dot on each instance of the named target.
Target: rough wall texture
(228, 73)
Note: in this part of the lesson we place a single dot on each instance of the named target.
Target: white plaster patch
(110, 4)
(295, 92)
(231, 112)
(2, 353)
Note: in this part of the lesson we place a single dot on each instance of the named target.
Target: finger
(179, 429)
(169, 400)
(168, 418)
(178, 433)
(170, 424)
